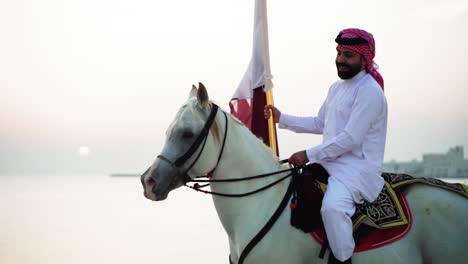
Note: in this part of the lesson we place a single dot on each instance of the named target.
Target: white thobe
(353, 121)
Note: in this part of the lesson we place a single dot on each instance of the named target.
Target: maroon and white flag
(249, 99)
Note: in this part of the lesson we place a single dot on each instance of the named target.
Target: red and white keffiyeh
(362, 42)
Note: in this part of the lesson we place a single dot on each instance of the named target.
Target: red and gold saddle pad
(368, 238)
(389, 218)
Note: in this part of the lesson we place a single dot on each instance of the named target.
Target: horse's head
(188, 151)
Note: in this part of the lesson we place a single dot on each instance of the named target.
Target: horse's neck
(245, 156)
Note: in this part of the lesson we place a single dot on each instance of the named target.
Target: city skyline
(450, 164)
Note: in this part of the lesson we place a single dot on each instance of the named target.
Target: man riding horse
(353, 122)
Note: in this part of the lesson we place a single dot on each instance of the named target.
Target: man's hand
(299, 158)
(269, 109)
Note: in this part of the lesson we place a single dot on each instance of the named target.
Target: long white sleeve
(300, 124)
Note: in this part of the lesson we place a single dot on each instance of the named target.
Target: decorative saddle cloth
(375, 224)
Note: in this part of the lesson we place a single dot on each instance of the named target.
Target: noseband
(200, 141)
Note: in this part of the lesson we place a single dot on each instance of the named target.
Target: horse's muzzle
(148, 185)
(151, 189)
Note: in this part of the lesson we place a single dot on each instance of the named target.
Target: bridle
(199, 141)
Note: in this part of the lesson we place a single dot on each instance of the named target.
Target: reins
(201, 140)
(198, 187)
(246, 178)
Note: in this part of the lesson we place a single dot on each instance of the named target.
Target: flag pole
(268, 77)
(271, 125)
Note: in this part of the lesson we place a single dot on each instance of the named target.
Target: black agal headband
(350, 41)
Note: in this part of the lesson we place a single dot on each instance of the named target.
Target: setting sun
(83, 151)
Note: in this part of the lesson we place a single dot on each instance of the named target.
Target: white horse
(440, 227)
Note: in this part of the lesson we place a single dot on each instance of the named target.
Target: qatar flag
(250, 98)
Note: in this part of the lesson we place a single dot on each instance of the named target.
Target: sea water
(102, 219)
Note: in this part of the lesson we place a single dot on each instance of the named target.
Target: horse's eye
(187, 134)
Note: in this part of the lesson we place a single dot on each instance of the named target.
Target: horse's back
(438, 235)
(440, 223)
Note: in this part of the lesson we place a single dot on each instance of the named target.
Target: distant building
(449, 165)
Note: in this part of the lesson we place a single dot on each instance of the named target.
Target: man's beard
(350, 71)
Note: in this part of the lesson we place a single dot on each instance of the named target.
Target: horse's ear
(193, 91)
(202, 95)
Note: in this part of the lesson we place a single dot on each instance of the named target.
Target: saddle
(375, 224)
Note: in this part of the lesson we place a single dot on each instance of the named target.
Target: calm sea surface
(102, 219)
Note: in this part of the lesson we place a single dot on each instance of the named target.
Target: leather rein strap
(257, 238)
(201, 140)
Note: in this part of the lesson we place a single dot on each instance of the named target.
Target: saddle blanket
(375, 224)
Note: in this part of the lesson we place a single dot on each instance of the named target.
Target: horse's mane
(215, 128)
(256, 140)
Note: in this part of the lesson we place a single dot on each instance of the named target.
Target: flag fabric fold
(250, 98)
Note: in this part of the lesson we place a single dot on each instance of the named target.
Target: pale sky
(91, 86)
